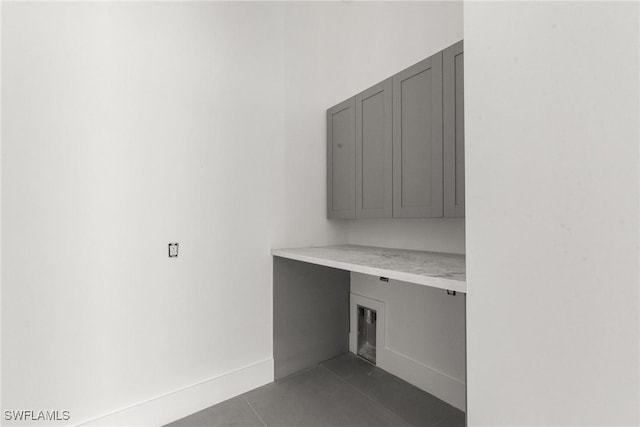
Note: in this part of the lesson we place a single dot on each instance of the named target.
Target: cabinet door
(341, 160)
(453, 101)
(417, 140)
(374, 152)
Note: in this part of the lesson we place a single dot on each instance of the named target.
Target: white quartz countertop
(439, 270)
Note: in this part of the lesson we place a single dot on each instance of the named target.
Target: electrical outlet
(173, 250)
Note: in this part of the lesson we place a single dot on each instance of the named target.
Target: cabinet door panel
(374, 152)
(453, 101)
(340, 160)
(417, 140)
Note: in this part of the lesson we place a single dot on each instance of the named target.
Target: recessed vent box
(367, 320)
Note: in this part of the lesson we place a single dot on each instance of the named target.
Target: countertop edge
(434, 282)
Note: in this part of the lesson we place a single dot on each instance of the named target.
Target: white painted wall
(552, 119)
(426, 234)
(423, 339)
(333, 51)
(126, 126)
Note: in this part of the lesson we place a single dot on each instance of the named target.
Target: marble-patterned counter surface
(439, 270)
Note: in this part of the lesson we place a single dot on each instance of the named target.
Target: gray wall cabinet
(453, 103)
(397, 149)
(341, 160)
(417, 140)
(374, 152)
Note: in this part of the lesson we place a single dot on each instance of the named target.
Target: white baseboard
(180, 403)
(425, 377)
(431, 380)
(420, 375)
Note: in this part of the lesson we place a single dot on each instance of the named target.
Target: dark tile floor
(345, 391)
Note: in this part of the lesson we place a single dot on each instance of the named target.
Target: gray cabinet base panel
(310, 315)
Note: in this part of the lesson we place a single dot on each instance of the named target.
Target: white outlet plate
(173, 250)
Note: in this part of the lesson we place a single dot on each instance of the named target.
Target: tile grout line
(377, 404)
(254, 411)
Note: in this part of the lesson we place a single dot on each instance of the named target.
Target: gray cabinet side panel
(374, 152)
(341, 160)
(453, 101)
(417, 140)
(310, 314)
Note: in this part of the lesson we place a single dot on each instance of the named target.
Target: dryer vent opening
(367, 333)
